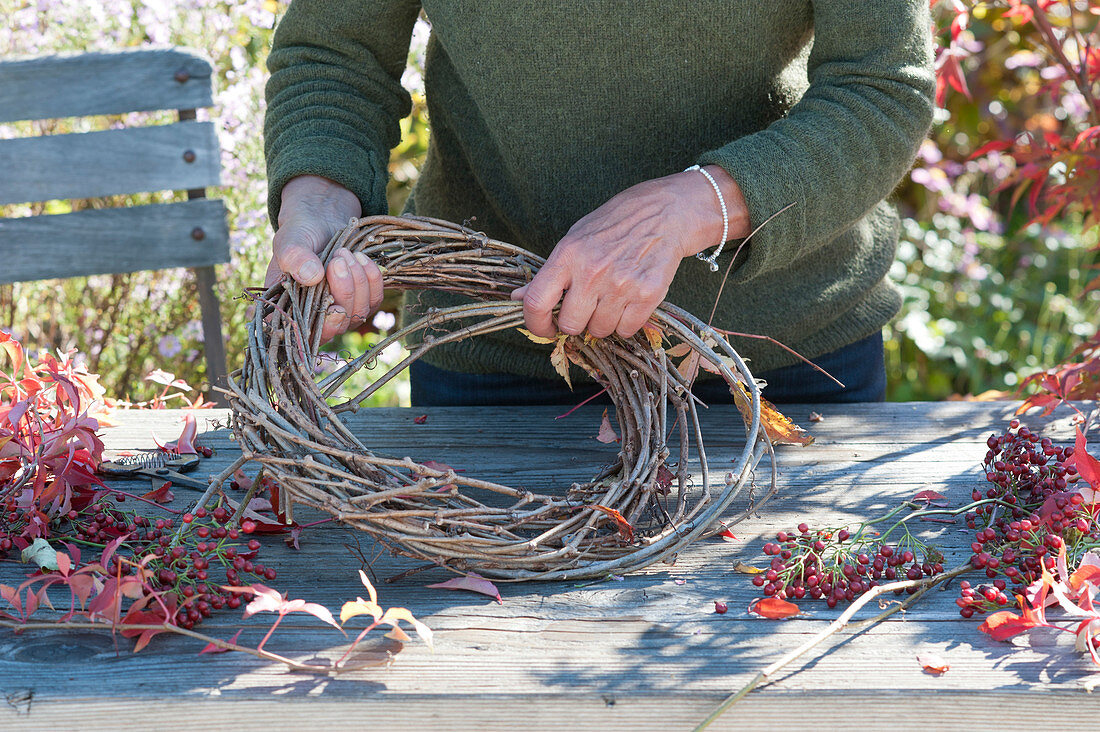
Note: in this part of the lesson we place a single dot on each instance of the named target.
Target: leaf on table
(473, 582)
(773, 608)
(185, 443)
(41, 553)
(162, 494)
(1005, 624)
(728, 535)
(242, 480)
(211, 648)
(933, 663)
(932, 498)
(746, 568)
(815, 417)
(607, 432)
(626, 531)
(421, 419)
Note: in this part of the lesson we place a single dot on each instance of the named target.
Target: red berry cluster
(182, 573)
(981, 599)
(1029, 513)
(837, 567)
(186, 574)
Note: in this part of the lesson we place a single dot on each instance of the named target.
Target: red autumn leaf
(727, 535)
(773, 608)
(1084, 573)
(162, 494)
(959, 24)
(1005, 624)
(1087, 466)
(473, 582)
(933, 663)
(185, 443)
(607, 432)
(421, 419)
(949, 73)
(211, 648)
(932, 498)
(998, 145)
(626, 531)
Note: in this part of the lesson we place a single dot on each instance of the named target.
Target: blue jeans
(860, 366)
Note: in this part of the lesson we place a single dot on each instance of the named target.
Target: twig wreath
(636, 511)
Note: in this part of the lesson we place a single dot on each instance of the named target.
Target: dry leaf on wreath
(626, 531)
(653, 335)
(607, 432)
(779, 428)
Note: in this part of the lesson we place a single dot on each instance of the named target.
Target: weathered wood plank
(113, 240)
(884, 709)
(615, 655)
(110, 162)
(701, 653)
(80, 85)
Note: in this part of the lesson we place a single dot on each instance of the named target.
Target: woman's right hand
(313, 209)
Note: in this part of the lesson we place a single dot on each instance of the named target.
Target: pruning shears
(158, 466)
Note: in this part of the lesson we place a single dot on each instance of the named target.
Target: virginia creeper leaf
(773, 608)
(473, 582)
(607, 432)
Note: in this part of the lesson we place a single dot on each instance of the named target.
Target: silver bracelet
(712, 259)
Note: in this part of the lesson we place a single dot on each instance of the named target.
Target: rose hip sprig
(836, 565)
(1029, 512)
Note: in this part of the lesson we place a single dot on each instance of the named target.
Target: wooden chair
(179, 156)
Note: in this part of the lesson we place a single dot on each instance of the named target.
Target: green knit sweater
(541, 111)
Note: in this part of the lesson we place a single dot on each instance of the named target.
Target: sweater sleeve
(843, 147)
(334, 98)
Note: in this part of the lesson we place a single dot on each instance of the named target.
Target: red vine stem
(166, 627)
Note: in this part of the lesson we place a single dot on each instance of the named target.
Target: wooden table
(645, 651)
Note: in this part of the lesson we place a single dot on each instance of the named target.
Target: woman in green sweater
(618, 139)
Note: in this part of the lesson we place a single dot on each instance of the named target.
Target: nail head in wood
(182, 76)
(198, 234)
(188, 156)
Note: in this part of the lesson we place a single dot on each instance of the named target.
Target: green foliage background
(987, 299)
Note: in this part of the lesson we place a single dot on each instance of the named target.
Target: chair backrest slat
(114, 240)
(103, 83)
(131, 160)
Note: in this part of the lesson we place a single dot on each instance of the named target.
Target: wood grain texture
(640, 652)
(110, 162)
(113, 240)
(79, 85)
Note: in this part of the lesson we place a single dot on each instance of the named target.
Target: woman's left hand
(614, 266)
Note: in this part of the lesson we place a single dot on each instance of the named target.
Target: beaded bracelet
(712, 259)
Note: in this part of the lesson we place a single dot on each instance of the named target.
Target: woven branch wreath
(637, 511)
